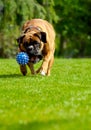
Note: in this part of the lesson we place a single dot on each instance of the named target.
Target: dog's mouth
(35, 58)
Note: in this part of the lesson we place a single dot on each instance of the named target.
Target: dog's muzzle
(33, 50)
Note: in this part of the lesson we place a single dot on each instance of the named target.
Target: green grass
(59, 102)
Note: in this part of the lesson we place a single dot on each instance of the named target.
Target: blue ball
(22, 58)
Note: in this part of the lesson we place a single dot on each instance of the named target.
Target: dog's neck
(32, 27)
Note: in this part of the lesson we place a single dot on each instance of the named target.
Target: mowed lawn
(59, 102)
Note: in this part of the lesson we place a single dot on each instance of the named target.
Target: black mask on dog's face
(33, 47)
(32, 43)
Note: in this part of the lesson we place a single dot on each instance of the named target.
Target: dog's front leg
(23, 69)
(45, 69)
(31, 66)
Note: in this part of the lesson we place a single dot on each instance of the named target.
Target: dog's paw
(42, 73)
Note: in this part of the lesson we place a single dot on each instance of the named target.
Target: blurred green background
(71, 20)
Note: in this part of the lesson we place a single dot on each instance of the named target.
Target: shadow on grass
(10, 76)
(18, 76)
(62, 124)
(33, 126)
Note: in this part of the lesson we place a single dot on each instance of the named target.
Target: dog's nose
(36, 53)
(30, 48)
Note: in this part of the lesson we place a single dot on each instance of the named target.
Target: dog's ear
(42, 36)
(19, 40)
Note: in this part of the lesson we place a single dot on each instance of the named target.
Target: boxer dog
(38, 41)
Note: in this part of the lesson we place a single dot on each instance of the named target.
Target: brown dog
(38, 41)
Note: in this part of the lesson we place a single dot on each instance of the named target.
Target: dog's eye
(37, 45)
(25, 44)
(35, 42)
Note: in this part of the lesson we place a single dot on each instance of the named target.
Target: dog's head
(32, 42)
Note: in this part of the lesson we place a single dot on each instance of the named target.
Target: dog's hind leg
(23, 69)
(47, 64)
(50, 65)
